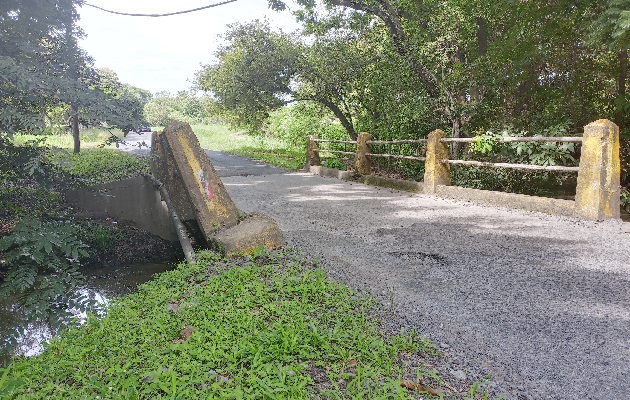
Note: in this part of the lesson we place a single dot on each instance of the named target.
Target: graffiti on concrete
(207, 187)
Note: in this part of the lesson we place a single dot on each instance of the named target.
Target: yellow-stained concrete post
(436, 172)
(598, 183)
(361, 161)
(312, 153)
(194, 186)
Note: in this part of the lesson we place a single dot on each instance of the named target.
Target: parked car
(143, 128)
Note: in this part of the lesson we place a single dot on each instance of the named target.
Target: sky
(164, 53)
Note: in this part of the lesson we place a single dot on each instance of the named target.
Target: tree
(432, 39)
(35, 53)
(42, 68)
(253, 74)
(124, 104)
(183, 106)
(612, 29)
(260, 70)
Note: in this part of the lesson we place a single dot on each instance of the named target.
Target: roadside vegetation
(91, 138)
(271, 325)
(44, 243)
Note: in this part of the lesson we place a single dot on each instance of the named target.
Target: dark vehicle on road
(143, 128)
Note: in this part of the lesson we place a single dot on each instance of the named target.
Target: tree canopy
(401, 69)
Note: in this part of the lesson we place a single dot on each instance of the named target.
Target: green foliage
(625, 199)
(37, 49)
(41, 268)
(90, 138)
(293, 124)
(612, 27)
(96, 166)
(269, 327)
(484, 143)
(183, 106)
(99, 236)
(44, 75)
(253, 74)
(271, 150)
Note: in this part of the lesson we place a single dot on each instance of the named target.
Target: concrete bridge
(540, 302)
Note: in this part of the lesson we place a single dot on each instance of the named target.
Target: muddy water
(102, 283)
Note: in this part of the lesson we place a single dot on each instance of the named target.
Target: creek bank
(131, 246)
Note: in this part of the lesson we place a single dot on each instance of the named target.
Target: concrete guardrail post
(361, 161)
(598, 184)
(435, 172)
(312, 153)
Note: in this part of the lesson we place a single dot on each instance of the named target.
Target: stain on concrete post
(361, 161)
(598, 183)
(312, 153)
(436, 172)
(194, 186)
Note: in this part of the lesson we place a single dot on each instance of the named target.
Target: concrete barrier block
(312, 152)
(191, 180)
(326, 172)
(362, 162)
(508, 200)
(254, 231)
(391, 183)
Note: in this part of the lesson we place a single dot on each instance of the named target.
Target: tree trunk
(482, 49)
(345, 121)
(75, 128)
(482, 36)
(621, 93)
(455, 146)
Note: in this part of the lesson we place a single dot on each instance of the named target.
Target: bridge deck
(541, 302)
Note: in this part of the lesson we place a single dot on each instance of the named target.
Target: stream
(103, 283)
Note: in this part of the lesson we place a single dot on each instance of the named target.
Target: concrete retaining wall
(133, 199)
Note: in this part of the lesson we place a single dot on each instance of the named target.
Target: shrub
(41, 268)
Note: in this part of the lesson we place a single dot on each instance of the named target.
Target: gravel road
(541, 303)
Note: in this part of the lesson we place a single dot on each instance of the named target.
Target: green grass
(221, 138)
(271, 327)
(96, 166)
(90, 138)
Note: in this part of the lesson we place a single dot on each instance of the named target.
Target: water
(102, 283)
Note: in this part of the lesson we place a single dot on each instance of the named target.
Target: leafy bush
(488, 148)
(41, 268)
(293, 124)
(625, 199)
(100, 236)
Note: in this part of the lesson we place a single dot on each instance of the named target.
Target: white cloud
(164, 53)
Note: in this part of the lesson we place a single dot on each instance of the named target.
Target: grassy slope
(90, 138)
(221, 138)
(269, 327)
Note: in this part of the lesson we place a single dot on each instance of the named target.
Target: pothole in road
(419, 256)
